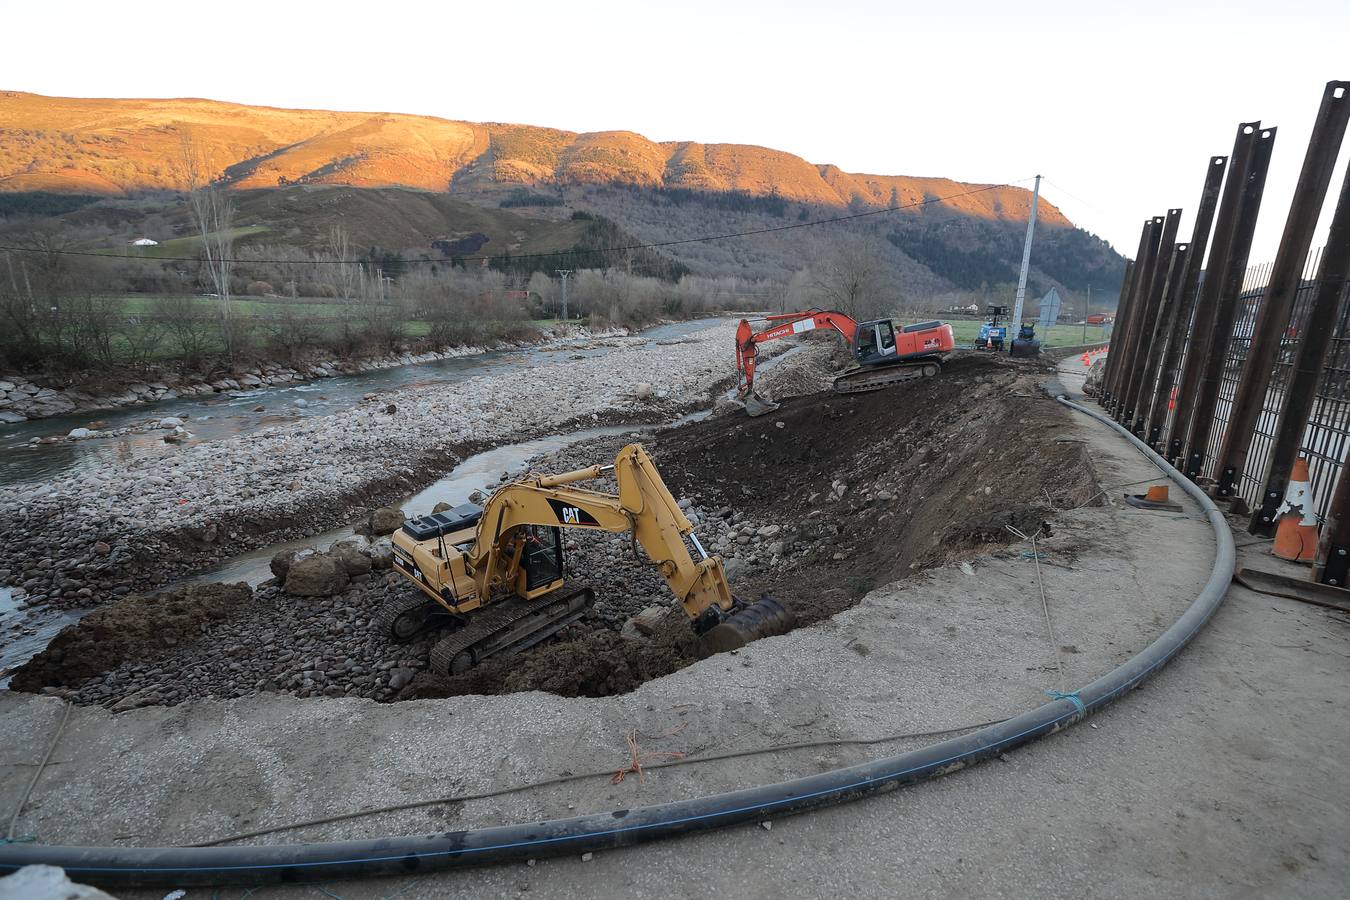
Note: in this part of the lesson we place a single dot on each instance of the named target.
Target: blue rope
(1072, 697)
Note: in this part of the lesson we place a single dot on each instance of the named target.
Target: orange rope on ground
(637, 757)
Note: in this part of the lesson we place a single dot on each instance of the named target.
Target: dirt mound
(870, 487)
(595, 664)
(134, 628)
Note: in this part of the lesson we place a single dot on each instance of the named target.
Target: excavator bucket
(755, 405)
(765, 617)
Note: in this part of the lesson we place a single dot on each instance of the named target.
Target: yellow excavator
(496, 572)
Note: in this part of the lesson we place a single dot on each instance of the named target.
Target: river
(225, 415)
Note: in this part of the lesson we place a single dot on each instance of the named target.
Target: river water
(224, 415)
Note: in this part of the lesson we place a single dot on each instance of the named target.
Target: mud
(135, 628)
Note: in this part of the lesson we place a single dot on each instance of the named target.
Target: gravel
(197, 502)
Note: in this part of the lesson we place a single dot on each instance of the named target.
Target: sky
(1119, 107)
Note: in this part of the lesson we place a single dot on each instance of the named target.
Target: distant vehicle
(1100, 319)
(993, 332)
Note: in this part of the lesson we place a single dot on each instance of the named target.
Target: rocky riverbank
(117, 528)
(23, 398)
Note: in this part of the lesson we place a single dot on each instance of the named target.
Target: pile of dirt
(599, 663)
(135, 628)
(871, 487)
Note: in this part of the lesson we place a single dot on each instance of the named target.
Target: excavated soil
(865, 489)
(816, 503)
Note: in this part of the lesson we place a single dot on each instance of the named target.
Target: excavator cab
(875, 342)
(542, 558)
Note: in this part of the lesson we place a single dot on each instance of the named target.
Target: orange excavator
(885, 353)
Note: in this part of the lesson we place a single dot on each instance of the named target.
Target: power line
(550, 255)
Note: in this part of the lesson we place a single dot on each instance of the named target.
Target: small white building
(144, 242)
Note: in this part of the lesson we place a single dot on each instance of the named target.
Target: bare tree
(189, 332)
(212, 209)
(848, 277)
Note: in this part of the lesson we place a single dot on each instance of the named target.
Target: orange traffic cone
(1296, 535)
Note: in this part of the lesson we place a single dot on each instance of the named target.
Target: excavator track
(507, 627)
(857, 381)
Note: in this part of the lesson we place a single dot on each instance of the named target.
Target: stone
(399, 678)
(318, 575)
(440, 507)
(649, 619)
(734, 568)
(47, 883)
(642, 390)
(353, 560)
(382, 553)
(386, 520)
(170, 422)
(101, 548)
(79, 434)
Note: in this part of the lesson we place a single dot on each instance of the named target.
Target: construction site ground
(1223, 775)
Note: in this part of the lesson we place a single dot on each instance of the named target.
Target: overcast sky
(1119, 110)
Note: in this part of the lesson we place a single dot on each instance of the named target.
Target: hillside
(427, 183)
(104, 146)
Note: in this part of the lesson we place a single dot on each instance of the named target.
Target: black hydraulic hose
(415, 854)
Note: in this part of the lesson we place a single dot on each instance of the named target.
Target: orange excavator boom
(785, 325)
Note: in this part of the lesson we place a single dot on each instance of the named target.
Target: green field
(181, 247)
(1060, 335)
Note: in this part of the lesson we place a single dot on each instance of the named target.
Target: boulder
(170, 422)
(47, 883)
(442, 506)
(382, 553)
(649, 619)
(642, 390)
(79, 434)
(318, 575)
(353, 561)
(385, 520)
(281, 563)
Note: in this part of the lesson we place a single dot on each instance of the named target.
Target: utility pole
(1087, 311)
(563, 273)
(1026, 262)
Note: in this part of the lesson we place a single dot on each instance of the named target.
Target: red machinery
(885, 354)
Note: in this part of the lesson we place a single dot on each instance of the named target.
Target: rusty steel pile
(1235, 375)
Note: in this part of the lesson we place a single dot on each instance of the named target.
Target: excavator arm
(784, 325)
(644, 508)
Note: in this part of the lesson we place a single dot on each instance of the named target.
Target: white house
(144, 242)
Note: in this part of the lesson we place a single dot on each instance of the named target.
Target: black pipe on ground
(416, 854)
